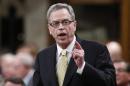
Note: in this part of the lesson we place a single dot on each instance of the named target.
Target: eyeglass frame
(64, 22)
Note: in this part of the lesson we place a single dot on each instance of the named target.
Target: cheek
(123, 76)
(72, 30)
(54, 33)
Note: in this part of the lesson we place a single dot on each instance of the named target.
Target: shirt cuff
(80, 70)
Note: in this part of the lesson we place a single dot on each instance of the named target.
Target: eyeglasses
(64, 22)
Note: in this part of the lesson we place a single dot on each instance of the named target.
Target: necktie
(61, 67)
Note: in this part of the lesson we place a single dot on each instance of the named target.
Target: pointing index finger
(77, 45)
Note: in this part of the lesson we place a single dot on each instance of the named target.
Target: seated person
(115, 50)
(122, 73)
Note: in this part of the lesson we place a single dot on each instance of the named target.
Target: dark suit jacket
(98, 70)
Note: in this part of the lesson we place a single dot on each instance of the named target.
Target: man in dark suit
(88, 63)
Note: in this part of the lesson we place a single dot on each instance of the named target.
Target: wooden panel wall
(125, 25)
(93, 1)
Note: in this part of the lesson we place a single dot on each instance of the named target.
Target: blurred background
(24, 21)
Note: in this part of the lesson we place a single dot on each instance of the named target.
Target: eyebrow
(62, 19)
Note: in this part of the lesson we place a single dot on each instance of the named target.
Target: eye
(55, 23)
(65, 22)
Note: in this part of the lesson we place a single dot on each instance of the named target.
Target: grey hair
(25, 59)
(7, 57)
(59, 6)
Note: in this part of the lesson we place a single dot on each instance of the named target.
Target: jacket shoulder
(92, 44)
(47, 50)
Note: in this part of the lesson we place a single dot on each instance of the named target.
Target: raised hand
(78, 55)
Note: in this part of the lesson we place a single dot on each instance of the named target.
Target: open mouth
(62, 34)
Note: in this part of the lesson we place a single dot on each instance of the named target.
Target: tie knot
(64, 52)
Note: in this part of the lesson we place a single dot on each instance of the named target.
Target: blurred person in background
(3, 51)
(122, 73)
(30, 48)
(23, 66)
(115, 50)
(7, 69)
(13, 82)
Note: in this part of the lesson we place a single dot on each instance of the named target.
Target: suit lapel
(70, 71)
(52, 63)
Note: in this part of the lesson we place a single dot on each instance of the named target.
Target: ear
(50, 33)
(75, 25)
(129, 77)
(49, 28)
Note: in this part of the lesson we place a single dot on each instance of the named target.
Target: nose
(61, 26)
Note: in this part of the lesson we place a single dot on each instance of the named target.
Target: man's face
(122, 77)
(61, 26)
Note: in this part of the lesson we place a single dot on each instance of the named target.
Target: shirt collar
(28, 77)
(69, 48)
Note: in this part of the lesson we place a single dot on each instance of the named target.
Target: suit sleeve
(103, 72)
(36, 76)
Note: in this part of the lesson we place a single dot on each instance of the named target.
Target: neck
(65, 45)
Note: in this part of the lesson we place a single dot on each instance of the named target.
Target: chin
(63, 42)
